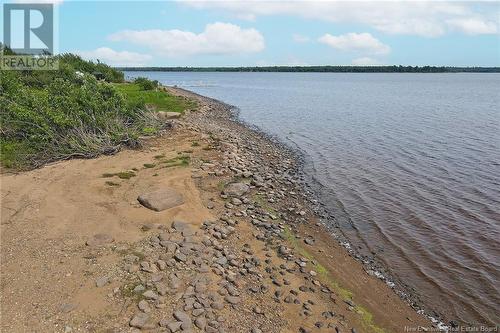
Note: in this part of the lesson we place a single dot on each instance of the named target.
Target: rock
(309, 241)
(141, 320)
(174, 326)
(180, 257)
(236, 189)
(161, 199)
(201, 323)
(180, 225)
(100, 240)
(182, 316)
(149, 294)
(101, 282)
(144, 306)
(232, 299)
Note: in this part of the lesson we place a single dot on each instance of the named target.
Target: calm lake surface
(408, 163)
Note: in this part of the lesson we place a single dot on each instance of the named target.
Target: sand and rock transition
(205, 229)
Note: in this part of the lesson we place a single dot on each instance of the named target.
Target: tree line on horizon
(323, 69)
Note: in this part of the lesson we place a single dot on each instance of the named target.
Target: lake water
(408, 163)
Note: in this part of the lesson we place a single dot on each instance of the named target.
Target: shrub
(52, 115)
(146, 84)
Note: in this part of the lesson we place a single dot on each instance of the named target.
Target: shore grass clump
(121, 175)
(67, 113)
(149, 165)
(177, 161)
(110, 183)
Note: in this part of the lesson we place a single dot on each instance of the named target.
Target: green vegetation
(84, 109)
(182, 160)
(146, 84)
(121, 175)
(157, 100)
(149, 165)
(322, 69)
(365, 316)
(110, 183)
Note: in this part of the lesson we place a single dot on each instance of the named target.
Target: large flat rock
(162, 199)
(236, 189)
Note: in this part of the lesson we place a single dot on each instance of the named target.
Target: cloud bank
(217, 38)
(362, 42)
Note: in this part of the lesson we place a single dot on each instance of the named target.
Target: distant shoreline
(321, 69)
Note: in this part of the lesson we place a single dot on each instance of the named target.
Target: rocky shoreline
(238, 246)
(310, 194)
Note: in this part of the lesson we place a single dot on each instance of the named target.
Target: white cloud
(422, 18)
(300, 38)
(365, 61)
(116, 58)
(363, 42)
(217, 38)
(473, 26)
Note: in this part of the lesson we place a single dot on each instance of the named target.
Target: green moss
(149, 165)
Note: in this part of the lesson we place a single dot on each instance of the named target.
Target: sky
(262, 33)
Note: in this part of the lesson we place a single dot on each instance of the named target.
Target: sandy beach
(242, 251)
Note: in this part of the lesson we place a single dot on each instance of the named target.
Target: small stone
(141, 320)
(182, 316)
(101, 282)
(144, 306)
(201, 323)
(149, 294)
(232, 299)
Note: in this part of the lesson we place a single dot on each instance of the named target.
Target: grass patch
(159, 157)
(366, 316)
(195, 144)
(149, 165)
(177, 161)
(121, 175)
(110, 183)
(159, 100)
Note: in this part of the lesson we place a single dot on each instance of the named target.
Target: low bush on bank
(52, 115)
(146, 84)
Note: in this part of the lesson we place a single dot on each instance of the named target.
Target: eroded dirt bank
(79, 253)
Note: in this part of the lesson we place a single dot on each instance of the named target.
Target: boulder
(161, 199)
(236, 189)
